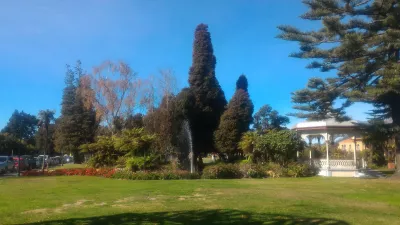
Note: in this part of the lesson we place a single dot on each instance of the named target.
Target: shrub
(222, 171)
(250, 170)
(143, 163)
(275, 170)
(301, 170)
(256, 172)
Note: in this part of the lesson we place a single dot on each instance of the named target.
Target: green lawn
(91, 200)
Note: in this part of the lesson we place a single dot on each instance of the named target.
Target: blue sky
(39, 37)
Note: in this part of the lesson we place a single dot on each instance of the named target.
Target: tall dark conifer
(209, 98)
(235, 120)
(77, 124)
(65, 131)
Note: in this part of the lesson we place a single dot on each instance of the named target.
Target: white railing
(334, 164)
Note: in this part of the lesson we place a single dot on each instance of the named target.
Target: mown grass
(90, 200)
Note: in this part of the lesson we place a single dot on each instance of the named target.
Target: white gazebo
(329, 130)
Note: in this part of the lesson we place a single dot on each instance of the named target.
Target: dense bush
(143, 163)
(250, 170)
(279, 146)
(275, 170)
(301, 170)
(155, 175)
(222, 171)
(292, 170)
(108, 151)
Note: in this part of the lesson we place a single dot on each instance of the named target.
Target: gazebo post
(310, 144)
(327, 153)
(355, 147)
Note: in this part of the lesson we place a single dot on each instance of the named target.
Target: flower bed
(116, 174)
(103, 172)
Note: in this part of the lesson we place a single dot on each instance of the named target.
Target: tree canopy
(359, 40)
(267, 119)
(21, 125)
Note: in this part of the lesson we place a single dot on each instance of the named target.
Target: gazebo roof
(326, 124)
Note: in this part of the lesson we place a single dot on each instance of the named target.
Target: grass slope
(91, 200)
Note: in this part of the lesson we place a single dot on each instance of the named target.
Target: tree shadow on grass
(195, 217)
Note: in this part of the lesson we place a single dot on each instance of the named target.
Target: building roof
(328, 123)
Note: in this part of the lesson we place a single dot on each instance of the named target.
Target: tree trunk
(395, 108)
(397, 157)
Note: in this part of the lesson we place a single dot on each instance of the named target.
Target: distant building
(349, 145)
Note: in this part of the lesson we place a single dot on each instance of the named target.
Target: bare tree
(168, 84)
(114, 90)
(148, 94)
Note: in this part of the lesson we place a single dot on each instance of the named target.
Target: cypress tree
(235, 120)
(209, 98)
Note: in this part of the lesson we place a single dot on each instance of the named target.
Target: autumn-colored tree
(235, 120)
(114, 91)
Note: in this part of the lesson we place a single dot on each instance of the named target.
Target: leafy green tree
(102, 151)
(267, 119)
(107, 150)
(235, 120)
(378, 136)
(279, 146)
(21, 125)
(209, 98)
(135, 142)
(9, 144)
(359, 40)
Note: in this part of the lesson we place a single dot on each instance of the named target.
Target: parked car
(6, 164)
(68, 159)
(57, 160)
(39, 162)
(31, 161)
(23, 161)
